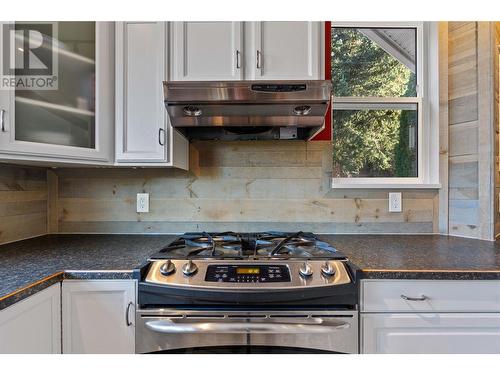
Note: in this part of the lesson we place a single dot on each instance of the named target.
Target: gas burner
(261, 245)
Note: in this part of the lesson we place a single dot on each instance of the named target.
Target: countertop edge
(98, 275)
(30, 289)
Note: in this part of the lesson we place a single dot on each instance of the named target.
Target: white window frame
(427, 101)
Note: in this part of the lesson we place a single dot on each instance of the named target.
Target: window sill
(385, 185)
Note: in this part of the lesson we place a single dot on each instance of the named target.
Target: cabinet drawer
(436, 296)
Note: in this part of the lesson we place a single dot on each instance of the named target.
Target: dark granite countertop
(420, 256)
(29, 266)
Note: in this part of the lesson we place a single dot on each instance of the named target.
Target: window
(381, 105)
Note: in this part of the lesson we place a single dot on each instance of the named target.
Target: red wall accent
(326, 134)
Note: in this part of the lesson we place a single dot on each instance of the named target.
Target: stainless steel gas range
(268, 292)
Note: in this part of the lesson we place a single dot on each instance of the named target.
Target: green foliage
(364, 140)
(369, 143)
(404, 153)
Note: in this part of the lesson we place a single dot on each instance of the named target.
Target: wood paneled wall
(245, 186)
(472, 129)
(463, 129)
(23, 202)
(496, 114)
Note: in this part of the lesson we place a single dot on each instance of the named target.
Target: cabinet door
(286, 50)
(408, 333)
(140, 72)
(205, 51)
(33, 325)
(98, 316)
(68, 112)
(6, 94)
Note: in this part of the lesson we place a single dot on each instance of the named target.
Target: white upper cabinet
(68, 117)
(270, 51)
(143, 132)
(285, 50)
(206, 51)
(140, 71)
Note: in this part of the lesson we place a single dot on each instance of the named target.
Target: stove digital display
(261, 273)
(247, 271)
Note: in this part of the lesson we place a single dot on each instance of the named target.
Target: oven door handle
(307, 326)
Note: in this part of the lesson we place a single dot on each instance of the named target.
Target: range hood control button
(189, 269)
(167, 268)
(305, 270)
(192, 111)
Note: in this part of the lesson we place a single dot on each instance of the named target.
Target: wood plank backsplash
(243, 186)
(23, 202)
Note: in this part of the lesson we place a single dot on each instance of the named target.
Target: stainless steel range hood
(230, 110)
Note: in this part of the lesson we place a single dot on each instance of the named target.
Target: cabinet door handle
(258, 60)
(127, 313)
(238, 59)
(421, 298)
(161, 137)
(2, 122)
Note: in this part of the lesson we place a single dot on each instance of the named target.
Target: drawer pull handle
(421, 298)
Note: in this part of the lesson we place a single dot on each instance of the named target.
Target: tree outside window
(374, 135)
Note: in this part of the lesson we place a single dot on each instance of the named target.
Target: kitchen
(250, 187)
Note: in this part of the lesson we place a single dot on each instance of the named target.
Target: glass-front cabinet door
(56, 93)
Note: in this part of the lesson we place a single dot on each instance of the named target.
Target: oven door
(176, 331)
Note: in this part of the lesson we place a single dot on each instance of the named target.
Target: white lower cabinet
(33, 325)
(427, 333)
(422, 316)
(98, 316)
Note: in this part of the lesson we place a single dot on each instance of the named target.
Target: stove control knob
(327, 269)
(305, 270)
(189, 268)
(167, 268)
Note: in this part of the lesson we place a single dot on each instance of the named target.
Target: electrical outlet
(142, 202)
(395, 204)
